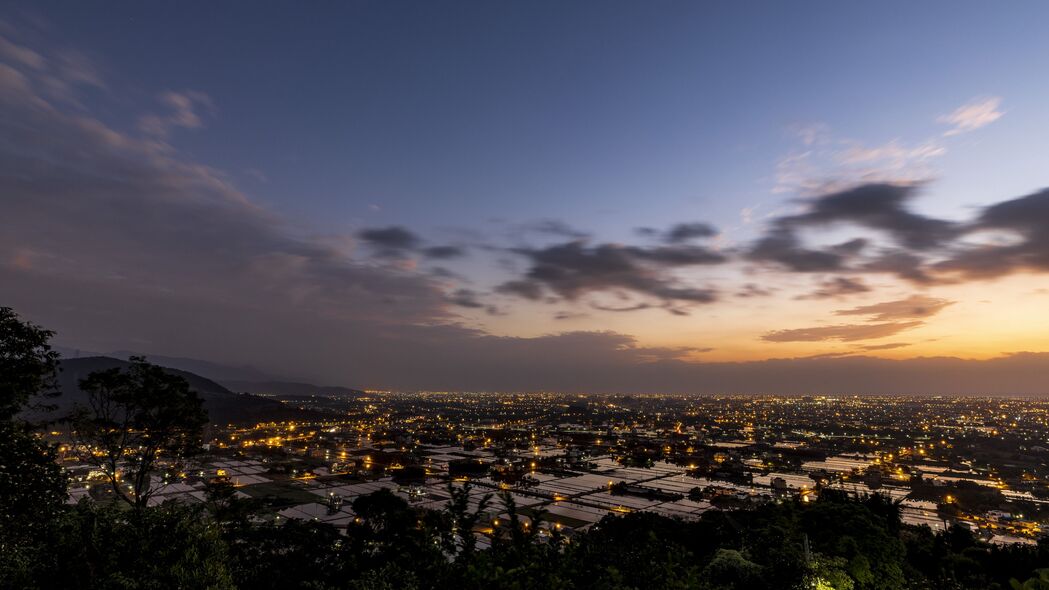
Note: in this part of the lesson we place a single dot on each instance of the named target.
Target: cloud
(850, 163)
(257, 175)
(885, 319)
(796, 173)
(471, 299)
(821, 163)
(186, 110)
(781, 246)
(680, 233)
(810, 133)
(465, 298)
(753, 290)
(684, 232)
(555, 227)
(443, 252)
(1004, 238)
(879, 207)
(892, 154)
(58, 75)
(532, 290)
(605, 362)
(842, 332)
(390, 239)
(973, 115)
(451, 358)
(99, 208)
(886, 346)
(905, 265)
(1023, 222)
(882, 208)
(838, 287)
(19, 55)
(573, 269)
(635, 307)
(915, 306)
(893, 162)
(399, 242)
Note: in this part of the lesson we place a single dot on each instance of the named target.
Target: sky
(588, 196)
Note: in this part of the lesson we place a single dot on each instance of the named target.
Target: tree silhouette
(138, 420)
(32, 486)
(28, 366)
(463, 518)
(1039, 582)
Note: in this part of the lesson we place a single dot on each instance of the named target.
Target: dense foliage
(852, 545)
(226, 542)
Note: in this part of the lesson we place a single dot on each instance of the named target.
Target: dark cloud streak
(838, 287)
(1025, 220)
(573, 269)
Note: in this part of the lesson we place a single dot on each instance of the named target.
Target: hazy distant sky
(520, 195)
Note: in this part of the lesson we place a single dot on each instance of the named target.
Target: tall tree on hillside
(32, 486)
(28, 366)
(139, 420)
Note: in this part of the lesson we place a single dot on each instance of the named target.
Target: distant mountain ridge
(208, 369)
(214, 371)
(241, 379)
(290, 388)
(223, 406)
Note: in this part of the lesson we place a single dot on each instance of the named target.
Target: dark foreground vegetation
(226, 542)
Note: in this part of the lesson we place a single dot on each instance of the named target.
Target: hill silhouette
(223, 405)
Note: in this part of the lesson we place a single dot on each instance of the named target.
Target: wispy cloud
(186, 109)
(843, 332)
(845, 163)
(893, 155)
(972, 115)
(746, 214)
(884, 319)
(821, 162)
(913, 307)
(810, 134)
(886, 346)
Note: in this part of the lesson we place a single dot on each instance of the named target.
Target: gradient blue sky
(450, 114)
(466, 123)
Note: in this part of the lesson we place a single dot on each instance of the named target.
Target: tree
(139, 419)
(731, 569)
(293, 554)
(228, 510)
(28, 366)
(32, 485)
(827, 573)
(32, 494)
(1039, 582)
(102, 547)
(463, 518)
(386, 515)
